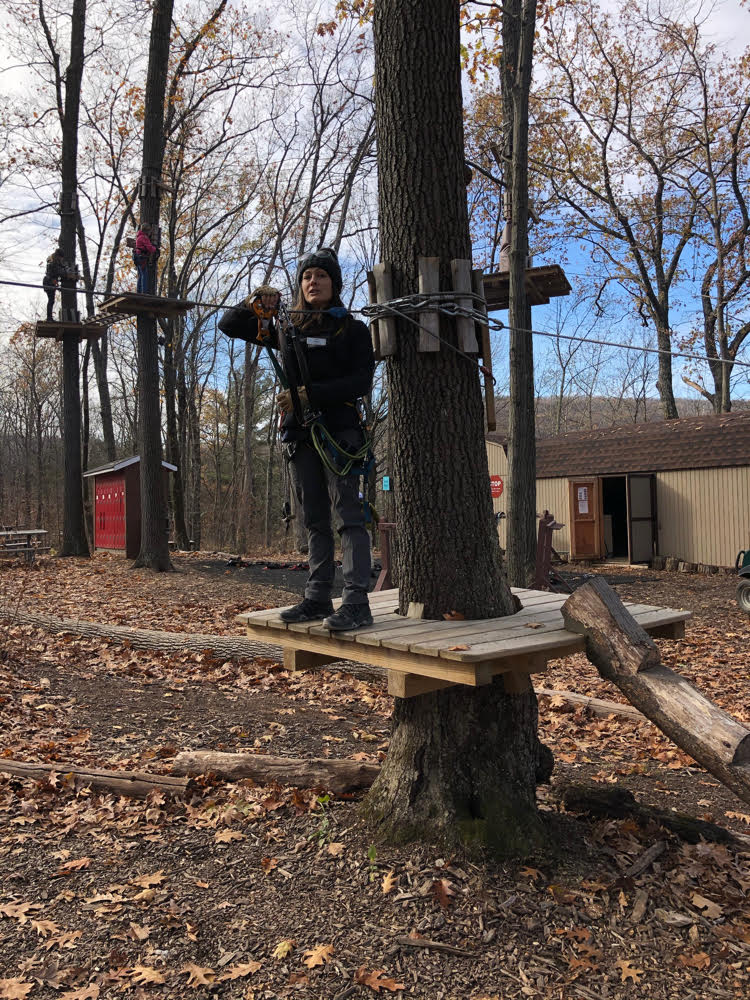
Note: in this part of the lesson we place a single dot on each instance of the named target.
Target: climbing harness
(339, 460)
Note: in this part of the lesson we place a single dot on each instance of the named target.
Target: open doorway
(615, 513)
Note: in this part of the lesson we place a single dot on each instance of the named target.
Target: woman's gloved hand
(265, 299)
(284, 399)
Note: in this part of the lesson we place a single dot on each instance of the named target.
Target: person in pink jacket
(144, 255)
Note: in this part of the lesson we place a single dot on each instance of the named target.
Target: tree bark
(154, 552)
(462, 763)
(623, 653)
(74, 526)
(338, 776)
(519, 19)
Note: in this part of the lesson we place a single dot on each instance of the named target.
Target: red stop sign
(496, 486)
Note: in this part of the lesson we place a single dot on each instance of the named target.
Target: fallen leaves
(443, 892)
(145, 975)
(197, 975)
(228, 836)
(85, 993)
(389, 881)
(628, 971)
(377, 980)
(73, 866)
(14, 989)
(698, 960)
(148, 881)
(239, 971)
(282, 949)
(19, 911)
(318, 955)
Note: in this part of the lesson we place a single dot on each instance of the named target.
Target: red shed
(117, 504)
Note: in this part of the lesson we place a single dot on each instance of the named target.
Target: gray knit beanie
(326, 259)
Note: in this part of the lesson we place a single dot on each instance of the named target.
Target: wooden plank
(429, 281)
(461, 275)
(410, 685)
(485, 350)
(561, 639)
(427, 666)
(387, 325)
(302, 659)
(134, 304)
(374, 324)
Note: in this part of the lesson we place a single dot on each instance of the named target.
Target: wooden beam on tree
(338, 776)
(372, 289)
(136, 784)
(461, 275)
(485, 351)
(624, 654)
(384, 292)
(429, 282)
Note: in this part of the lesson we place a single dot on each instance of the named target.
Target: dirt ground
(271, 892)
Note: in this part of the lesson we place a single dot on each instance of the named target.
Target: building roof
(691, 443)
(122, 463)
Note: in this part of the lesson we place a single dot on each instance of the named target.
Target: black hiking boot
(348, 617)
(307, 611)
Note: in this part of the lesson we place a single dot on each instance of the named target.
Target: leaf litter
(104, 894)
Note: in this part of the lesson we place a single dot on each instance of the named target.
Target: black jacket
(339, 359)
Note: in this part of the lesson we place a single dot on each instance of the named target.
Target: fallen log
(338, 776)
(596, 705)
(624, 654)
(223, 647)
(619, 803)
(136, 784)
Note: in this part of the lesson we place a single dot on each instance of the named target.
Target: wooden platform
(134, 304)
(542, 284)
(57, 330)
(423, 656)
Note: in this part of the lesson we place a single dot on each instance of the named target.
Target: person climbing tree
(58, 266)
(327, 366)
(144, 255)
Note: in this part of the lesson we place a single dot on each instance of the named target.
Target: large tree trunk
(154, 552)
(519, 18)
(74, 527)
(462, 762)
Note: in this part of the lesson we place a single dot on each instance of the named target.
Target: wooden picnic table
(23, 542)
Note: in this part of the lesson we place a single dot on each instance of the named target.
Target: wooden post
(429, 281)
(374, 323)
(461, 274)
(485, 351)
(384, 293)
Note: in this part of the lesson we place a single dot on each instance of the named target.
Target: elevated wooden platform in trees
(542, 284)
(422, 656)
(134, 304)
(56, 330)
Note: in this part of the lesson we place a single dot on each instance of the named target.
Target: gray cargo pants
(321, 491)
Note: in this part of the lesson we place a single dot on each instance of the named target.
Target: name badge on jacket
(317, 341)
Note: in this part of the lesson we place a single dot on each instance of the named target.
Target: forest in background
(639, 171)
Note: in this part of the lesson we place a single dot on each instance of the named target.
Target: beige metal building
(677, 488)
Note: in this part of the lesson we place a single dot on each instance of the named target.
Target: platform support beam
(302, 659)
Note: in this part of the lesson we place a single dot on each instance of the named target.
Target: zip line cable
(446, 302)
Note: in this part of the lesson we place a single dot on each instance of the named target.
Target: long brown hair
(303, 316)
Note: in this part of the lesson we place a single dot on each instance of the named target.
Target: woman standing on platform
(144, 255)
(328, 357)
